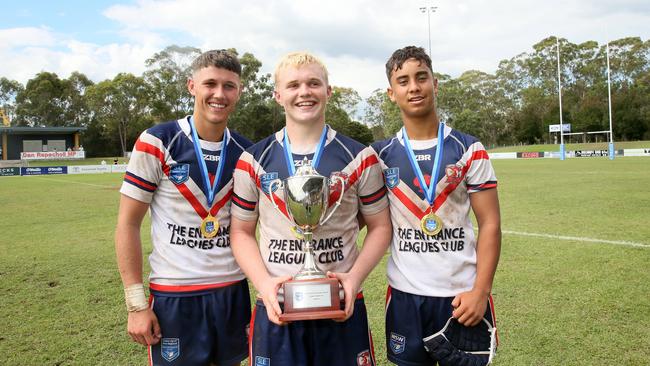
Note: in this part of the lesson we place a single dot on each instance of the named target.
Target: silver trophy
(310, 294)
(306, 195)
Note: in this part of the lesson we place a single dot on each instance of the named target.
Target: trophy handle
(338, 202)
(273, 183)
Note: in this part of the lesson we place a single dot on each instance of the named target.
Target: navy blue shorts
(312, 342)
(409, 318)
(202, 327)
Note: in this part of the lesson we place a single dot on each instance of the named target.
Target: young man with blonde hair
(302, 89)
(199, 307)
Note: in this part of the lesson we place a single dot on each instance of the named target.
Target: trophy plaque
(310, 294)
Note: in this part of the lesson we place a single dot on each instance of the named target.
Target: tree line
(514, 105)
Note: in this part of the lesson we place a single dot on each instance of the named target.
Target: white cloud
(354, 37)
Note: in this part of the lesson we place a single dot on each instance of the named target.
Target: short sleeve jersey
(165, 173)
(335, 241)
(445, 264)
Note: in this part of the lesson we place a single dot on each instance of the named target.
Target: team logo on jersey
(397, 343)
(363, 358)
(454, 174)
(391, 176)
(262, 361)
(179, 173)
(170, 348)
(265, 182)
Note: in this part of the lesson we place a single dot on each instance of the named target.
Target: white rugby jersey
(445, 264)
(164, 172)
(335, 247)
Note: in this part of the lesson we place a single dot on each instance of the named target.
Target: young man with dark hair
(438, 268)
(199, 307)
(302, 89)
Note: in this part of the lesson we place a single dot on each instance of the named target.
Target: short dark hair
(400, 56)
(223, 59)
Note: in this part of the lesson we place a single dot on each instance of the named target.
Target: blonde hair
(297, 59)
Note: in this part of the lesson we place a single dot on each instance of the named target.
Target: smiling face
(216, 92)
(303, 92)
(412, 87)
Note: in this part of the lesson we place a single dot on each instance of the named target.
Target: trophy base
(311, 300)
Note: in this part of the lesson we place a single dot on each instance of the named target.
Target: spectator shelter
(41, 140)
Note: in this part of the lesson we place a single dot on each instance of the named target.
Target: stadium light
(609, 100)
(559, 93)
(429, 10)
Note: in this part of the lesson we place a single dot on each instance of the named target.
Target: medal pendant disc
(209, 227)
(431, 224)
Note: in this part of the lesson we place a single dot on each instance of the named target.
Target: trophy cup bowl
(310, 294)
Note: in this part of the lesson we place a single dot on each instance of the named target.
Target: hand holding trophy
(310, 294)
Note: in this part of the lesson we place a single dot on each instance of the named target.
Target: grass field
(561, 299)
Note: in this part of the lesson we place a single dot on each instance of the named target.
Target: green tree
(121, 110)
(380, 111)
(9, 89)
(167, 73)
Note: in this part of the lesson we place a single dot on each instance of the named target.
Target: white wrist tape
(135, 298)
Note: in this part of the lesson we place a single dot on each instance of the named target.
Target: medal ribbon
(204, 168)
(288, 156)
(429, 190)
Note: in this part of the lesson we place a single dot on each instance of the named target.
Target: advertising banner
(52, 155)
(4, 172)
(89, 169)
(42, 170)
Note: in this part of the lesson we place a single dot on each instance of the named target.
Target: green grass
(618, 145)
(558, 301)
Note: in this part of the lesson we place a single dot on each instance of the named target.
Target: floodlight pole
(609, 99)
(559, 93)
(429, 10)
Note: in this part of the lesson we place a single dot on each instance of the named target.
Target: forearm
(247, 254)
(375, 244)
(128, 249)
(488, 251)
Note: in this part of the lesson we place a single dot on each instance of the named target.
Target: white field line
(583, 239)
(73, 181)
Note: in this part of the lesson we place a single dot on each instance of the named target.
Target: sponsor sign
(566, 127)
(43, 170)
(530, 155)
(89, 169)
(507, 155)
(51, 155)
(120, 168)
(9, 171)
(636, 152)
(588, 153)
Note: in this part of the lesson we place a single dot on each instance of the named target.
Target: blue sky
(354, 38)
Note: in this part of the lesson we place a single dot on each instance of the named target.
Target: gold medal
(209, 227)
(297, 232)
(431, 224)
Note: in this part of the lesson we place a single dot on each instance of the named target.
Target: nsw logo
(179, 173)
(265, 182)
(262, 361)
(391, 176)
(397, 343)
(170, 348)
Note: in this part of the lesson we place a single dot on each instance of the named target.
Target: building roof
(40, 130)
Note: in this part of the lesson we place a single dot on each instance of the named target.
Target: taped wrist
(135, 298)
